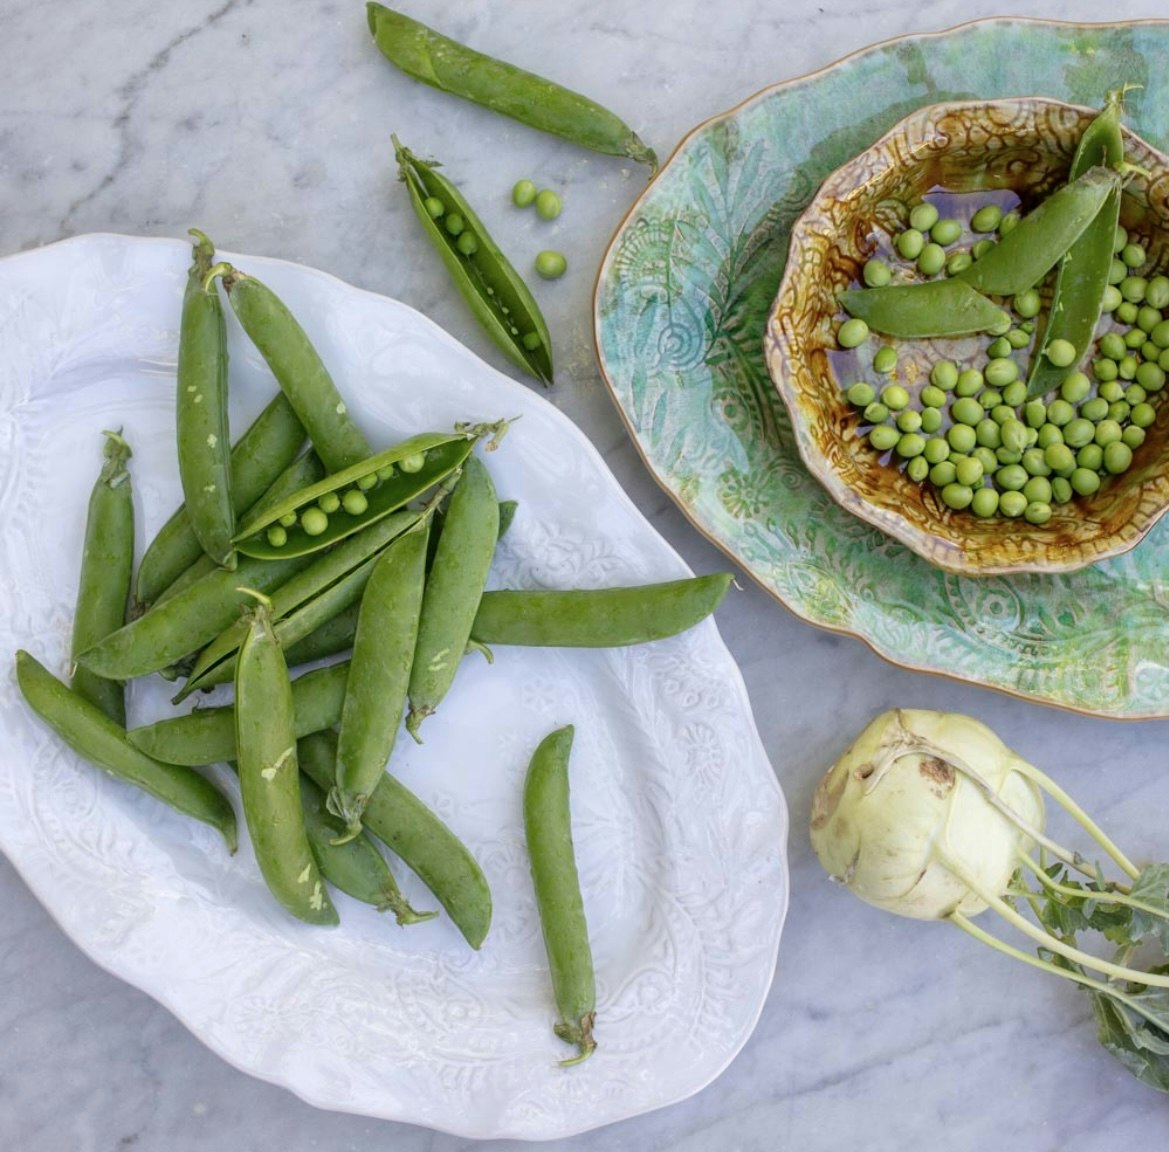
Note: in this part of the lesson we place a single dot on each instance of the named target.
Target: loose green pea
(894, 397)
(987, 218)
(885, 360)
(1127, 312)
(985, 502)
(1017, 338)
(1150, 376)
(987, 432)
(932, 396)
(1112, 299)
(1060, 459)
(1012, 504)
(523, 194)
(1008, 223)
(957, 496)
(958, 262)
(313, 521)
(1049, 434)
(1113, 346)
(1085, 481)
(861, 394)
(1062, 353)
(961, 437)
(1163, 361)
(1011, 477)
(910, 444)
(945, 232)
(1148, 318)
(908, 420)
(923, 216)
(852, 332)
(944, 375)
(1117, 271)
(931, 419)
(1133, 289)
(876, 273)
(1078, 432)
(966, 410)
(883, 437)
(1119, 239)
(969, 472)
(1143, 415)
(917, 469)
(936, 450)
(551, 265)
(1107, 432)
(1105, 369)
(1135, 393)
(1075, 387)
(1014, 435)
(1037, 512)
(1001, 371)
(1037, 488)
(932, 260)
(354, 502)
(987, 457)
(454, 223)
(999, 348)
(1119, 411)
(1095, 409)
(876, 412)
(1001, 413)
(1117, 457)
(1134, 436)
(1133, 255)
(1059, 413)
(1127, 368)
(1035, 413)
(968, 382)
(1027, 304)
(1150, 352)
(1135, 338)
(943, 473)
(910, 243)
(1002, 325)
(1090, 456)
(1004, 456)
(1157, 293)
(434, 207)
(1061, 489)
(1160, 334)
(548, 204)
(990, 398)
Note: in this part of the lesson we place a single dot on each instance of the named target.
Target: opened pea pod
(352, 499)
(492, 288)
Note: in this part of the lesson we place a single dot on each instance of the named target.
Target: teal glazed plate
(682, 301)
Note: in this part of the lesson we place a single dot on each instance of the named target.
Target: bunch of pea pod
(281, 556)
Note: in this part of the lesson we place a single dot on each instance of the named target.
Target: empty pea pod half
(492, 288)
(350, 500)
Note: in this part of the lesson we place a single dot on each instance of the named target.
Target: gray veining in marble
(268, 125)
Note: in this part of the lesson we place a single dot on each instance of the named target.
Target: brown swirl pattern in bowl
(1025, 145)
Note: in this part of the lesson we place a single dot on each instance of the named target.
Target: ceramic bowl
(1021, 146)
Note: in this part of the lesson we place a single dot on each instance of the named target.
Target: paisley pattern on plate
(680, 824)
(682, 302)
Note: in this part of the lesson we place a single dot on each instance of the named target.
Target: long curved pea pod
(354, 866)
(451, 67)
(597, 617)
(1078, 297)
(207, 735)
(548, 829)
(325, 571)
(187, 621)
(454, 588)
(365, 493)
(300, 623)
(379, 673)
(269, 776)
(485, 278)
(930, 308)
(298, 368)
(419, 839)
(202, 435)
(328, 639)
(96, 738)
(1038, 242)
(107, 565)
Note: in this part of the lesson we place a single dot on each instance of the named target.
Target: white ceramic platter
(680, 825)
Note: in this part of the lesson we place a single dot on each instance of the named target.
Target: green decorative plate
(681, 304)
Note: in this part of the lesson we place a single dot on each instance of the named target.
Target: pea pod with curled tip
(107, 565)
(297, 366)
(355, 866)
(269, 775)
(453, 589)
(396, 817)
(170, 632)
(548, 831)
(485, 278)
(925, 310)
(1078, 297)
(364, 493)
(98, 739)
(379, 673)
(452, 67)
(201, 426)
(300, 472)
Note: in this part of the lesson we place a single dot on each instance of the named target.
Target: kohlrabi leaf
(1142, 1047)
(1151, 887)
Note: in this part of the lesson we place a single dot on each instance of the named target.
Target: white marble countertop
(267, 125)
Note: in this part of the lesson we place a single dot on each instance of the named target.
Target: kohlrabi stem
(1043, 781)
(968, 926)
(1043, 937)
(1105, 895)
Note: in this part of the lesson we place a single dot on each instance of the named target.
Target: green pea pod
(548, 829)
(181, 626)
(354, 866)
(485, 278)
(420, 839)
(260, 455)
(379, 676)
(269, 776)
(1078, 297)
(453, 589)
(1038, 242)
(452, 67)
(931, 308)
(204, 442)
(298, 368)
(304, 619)
(597, 617)
(107, 564)
(381, 484)
(326, 570)
(207, 735)
(96, 738)
(333, 636)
